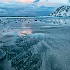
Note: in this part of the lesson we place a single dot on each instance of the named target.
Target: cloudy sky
(39, 2)
(29, 1)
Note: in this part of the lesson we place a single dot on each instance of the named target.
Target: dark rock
(2, 55)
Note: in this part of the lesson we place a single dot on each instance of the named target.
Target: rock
(2, 54)
(61, 11)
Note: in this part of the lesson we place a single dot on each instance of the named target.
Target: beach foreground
(35, 44)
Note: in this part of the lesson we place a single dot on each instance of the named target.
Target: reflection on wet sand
(24, 32)
(20, 25)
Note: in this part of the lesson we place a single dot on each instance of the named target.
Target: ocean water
(34, 43)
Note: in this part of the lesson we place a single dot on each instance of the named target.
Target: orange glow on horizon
(26, 1)
(23, 1)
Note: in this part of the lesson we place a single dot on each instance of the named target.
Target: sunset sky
(30, 7)
(30, 1)
(38, 2)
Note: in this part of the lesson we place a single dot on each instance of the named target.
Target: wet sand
(40, 48)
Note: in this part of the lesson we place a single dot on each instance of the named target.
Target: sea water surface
(34, 43)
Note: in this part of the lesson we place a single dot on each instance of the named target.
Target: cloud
(51, 2)
(58, 1)
(30, 1)
(69, 1)
(36, 0)
(23, 1)
(6, 1)
(26, 1)
(39, 2)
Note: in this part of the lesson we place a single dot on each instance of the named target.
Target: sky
(30, 1)
(39, 2)
(30, 6)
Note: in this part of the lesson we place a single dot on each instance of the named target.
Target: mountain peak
(62, 11)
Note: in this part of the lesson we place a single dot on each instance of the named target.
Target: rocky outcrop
(61, 11)
(2, 54)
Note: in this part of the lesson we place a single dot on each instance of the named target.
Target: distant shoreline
(35, 17)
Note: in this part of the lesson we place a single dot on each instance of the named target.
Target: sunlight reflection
(24, 32)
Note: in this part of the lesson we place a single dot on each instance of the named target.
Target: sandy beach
(35, 44)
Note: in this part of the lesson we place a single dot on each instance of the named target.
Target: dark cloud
(36, 0)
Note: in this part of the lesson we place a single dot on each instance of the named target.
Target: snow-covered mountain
(15, 9)
(61, 11)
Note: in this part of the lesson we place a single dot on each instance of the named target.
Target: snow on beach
(35, 43)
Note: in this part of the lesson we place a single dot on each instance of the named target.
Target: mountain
(61, 11)
(24, 10)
